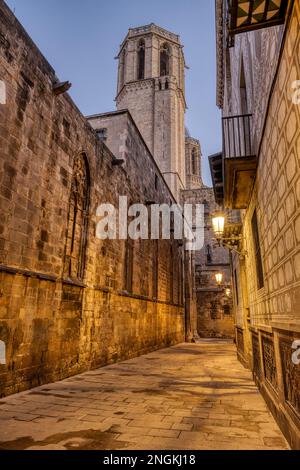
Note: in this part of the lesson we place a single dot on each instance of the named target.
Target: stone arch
(165, 53)
(78, 219)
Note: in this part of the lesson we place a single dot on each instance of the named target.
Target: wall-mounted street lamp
(218, 223)
(219, 279)
(228, 235)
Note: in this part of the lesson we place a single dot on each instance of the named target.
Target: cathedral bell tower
(151, 87)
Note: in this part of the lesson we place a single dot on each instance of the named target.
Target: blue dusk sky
(80, 39)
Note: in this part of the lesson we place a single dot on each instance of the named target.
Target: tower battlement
(153, 28)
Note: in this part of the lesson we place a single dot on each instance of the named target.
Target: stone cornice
(151, 29)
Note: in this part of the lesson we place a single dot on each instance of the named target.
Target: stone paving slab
(191, 396)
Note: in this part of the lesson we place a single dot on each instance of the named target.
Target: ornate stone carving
(291, 375)
(269, 361)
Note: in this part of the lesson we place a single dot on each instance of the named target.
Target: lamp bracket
(224, 242)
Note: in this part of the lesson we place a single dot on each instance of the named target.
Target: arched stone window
(164, 60)
(141, 60)
(78, 219)
(194, 161)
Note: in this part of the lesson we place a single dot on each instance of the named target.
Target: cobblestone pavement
(192, 396)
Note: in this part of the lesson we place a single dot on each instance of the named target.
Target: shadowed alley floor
(192, 396)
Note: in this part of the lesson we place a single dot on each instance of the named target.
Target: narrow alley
(191, 396)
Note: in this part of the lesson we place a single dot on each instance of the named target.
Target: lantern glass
(219, 278)
(228, 292)
(218, 224)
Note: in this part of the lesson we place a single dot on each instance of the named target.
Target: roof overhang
(216, 169)
(249, 15)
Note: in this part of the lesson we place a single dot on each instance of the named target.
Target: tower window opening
(141, 60)
(102, 134)
(167, 85)
(194, 162)
(164, 60)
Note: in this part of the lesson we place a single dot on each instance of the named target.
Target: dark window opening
(194, 162)
(167, 85)
(102, 134)
(257, 252)
(226, 309)
(164, 60)
(208, 254)
(156, 182)
(141, 60)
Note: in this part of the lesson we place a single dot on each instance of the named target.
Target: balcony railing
(239, 161)
(237, 139)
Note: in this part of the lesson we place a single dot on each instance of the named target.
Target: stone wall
(68, 301)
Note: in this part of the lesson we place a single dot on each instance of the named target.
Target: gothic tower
(193, 156)
(151, 87)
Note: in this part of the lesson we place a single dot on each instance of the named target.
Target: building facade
(213, 302)
(70, 301)
(258, 73)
